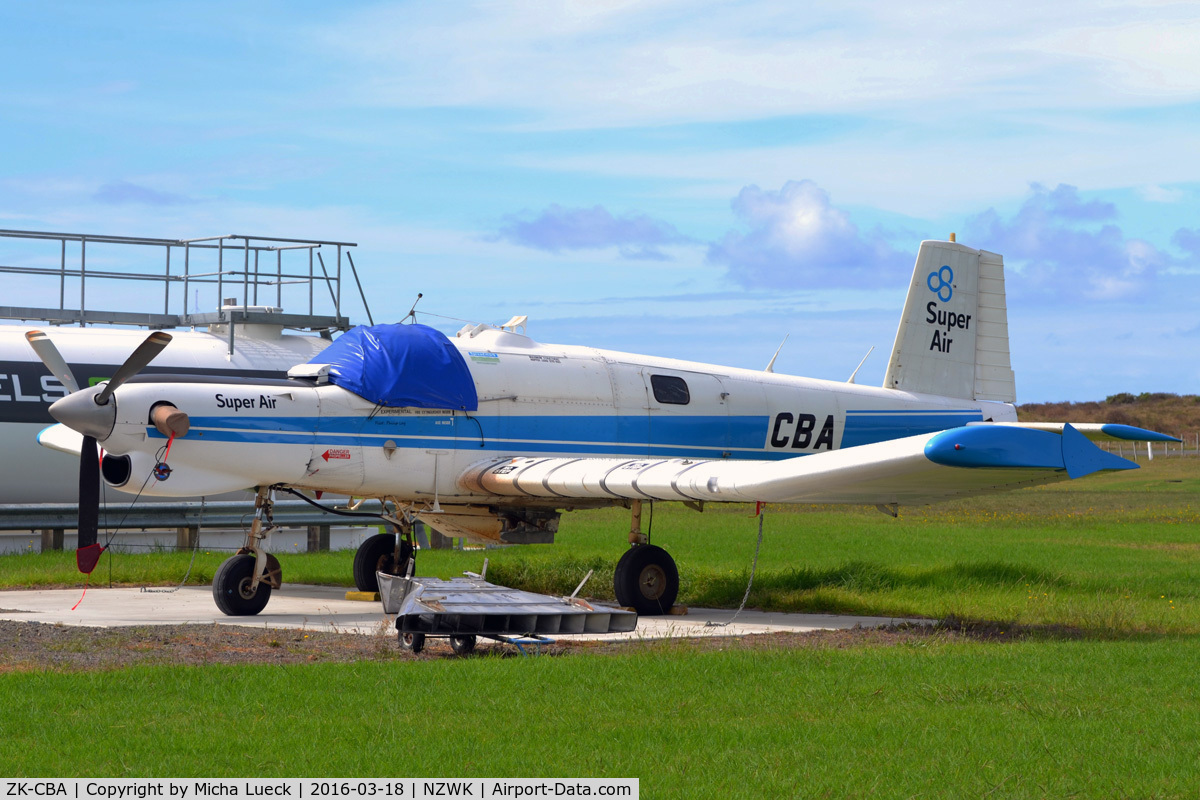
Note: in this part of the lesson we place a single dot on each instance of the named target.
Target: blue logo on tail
(945, 277)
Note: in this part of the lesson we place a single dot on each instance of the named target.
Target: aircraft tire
(376, 553)
(463, 645)
(412, 641)
(646, 580)
(229, 585)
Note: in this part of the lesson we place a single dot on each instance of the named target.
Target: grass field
(1035, 719)
(1099, 698)
(1110, 554)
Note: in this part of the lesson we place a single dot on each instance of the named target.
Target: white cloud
(572, 65)
(637, 236)
(1144, 58)
(931, 170)
(1154, 193)
(798, 239)
(1058, 247)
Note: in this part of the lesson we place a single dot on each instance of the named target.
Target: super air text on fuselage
(239, 403)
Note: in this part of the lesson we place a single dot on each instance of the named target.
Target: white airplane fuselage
(534, 400)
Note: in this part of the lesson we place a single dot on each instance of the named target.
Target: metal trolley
(464, 609)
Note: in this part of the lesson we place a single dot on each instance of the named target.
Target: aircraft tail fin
(953, 335)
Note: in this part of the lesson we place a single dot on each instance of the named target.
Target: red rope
(87, 577)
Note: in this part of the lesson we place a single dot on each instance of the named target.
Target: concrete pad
(326, 608)
(294, 606)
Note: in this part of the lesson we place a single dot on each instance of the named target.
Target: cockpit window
(670, 389)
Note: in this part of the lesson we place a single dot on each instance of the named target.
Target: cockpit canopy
(401, 366)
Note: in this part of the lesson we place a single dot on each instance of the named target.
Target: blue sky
(693, 179)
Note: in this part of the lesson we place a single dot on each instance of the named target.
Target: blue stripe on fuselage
(709, 431)
(870, 426)
(692, 436)
(613, 435)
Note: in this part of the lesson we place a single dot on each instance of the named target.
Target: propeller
(88, 411)
(87, 549)
(137, 361)
(53, 360)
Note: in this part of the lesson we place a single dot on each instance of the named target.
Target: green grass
(934, 719)
(1111, 554)
(1114, 713)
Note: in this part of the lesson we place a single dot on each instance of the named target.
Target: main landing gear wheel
(462, 645)
(646, 580)
(378, 554)
(231, 588)
(413, 641)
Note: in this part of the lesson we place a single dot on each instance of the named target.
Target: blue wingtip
(991, 446)
(995, 446)
(1133, 434)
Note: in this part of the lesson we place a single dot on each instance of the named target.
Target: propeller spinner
(90, 412)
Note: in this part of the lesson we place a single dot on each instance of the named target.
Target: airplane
(491, 435)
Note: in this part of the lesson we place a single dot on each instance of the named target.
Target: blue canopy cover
(400, 365)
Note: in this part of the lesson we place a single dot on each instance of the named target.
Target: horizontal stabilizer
(1096, 431)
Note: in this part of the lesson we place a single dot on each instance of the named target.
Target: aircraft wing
(918, 469)
(1096, 431)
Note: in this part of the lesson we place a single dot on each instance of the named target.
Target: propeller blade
(89, 493)
(48, 353)
(137, 361)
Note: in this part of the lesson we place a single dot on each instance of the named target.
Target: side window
(670, 389)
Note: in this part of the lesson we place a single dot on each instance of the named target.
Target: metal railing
(232, 264)
(222, 514)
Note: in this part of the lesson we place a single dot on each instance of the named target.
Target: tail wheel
(646, 580)
(231, 588)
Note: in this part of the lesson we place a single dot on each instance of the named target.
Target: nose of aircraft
(79, 412)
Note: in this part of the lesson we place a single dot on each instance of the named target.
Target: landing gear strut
(646, 578)
(242, 584)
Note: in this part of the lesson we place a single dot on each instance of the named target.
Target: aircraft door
(631, 432)
(745, 403)
(688, 413)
